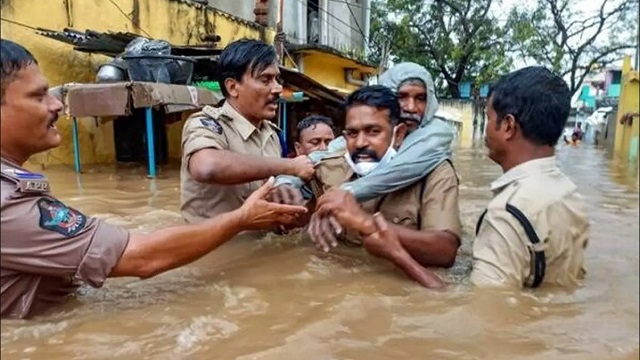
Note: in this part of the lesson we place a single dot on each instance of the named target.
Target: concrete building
(340, 24)
(324, 63)
(627, 130)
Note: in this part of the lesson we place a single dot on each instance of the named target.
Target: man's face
(315, 137)
(497, 136)
(257, 94)
(413, 103)
(368, 132)
(29, 114)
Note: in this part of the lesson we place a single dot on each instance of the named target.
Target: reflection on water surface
(279, 298)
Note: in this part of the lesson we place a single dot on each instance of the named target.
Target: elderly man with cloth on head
(427, 221)
(427, 145)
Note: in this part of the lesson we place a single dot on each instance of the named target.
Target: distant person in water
(577, 131)
(575, 140)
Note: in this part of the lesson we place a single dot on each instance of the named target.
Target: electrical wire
(19, 24)
(129, 17)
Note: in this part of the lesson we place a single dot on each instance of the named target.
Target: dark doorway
(130, 137)
(313, 22)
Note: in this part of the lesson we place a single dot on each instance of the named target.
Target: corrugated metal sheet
(110, 43)
(114, 43)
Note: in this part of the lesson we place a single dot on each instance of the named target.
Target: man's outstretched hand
(257, 213)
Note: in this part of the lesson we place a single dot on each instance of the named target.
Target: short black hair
(312, 120)
(538, 99)
(14, 57)
(241, 56)
(378, 96)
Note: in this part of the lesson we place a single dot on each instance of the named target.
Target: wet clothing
(534, 231)
(222, 129)
(48, 249)
(429, 204)
(578, 133)
(421, 151)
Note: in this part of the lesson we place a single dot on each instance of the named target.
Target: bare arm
(230, 168)
(437, 242)
(151, 254)
(384, 242)
(205, 148)
(429, 248)
(166, 249)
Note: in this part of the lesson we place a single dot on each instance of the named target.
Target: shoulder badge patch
(56, 216)
(211, 124)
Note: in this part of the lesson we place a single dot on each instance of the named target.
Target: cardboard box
(118, 99)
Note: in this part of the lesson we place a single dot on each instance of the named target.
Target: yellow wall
(463, 109)
(318, 68)
(171, 20)
(328, 70)
(627, 135)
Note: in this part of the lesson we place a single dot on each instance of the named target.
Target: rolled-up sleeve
(43, 236)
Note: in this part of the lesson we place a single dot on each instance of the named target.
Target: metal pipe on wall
(367, 26)
(348, 73)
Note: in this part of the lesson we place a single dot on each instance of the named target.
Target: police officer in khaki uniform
(49, 248)
(425, 215)
(535, 229)
(228, 152)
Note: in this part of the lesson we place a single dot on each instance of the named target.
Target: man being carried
(424, 149)
(228, 152)
(425, 215)
(535, 230)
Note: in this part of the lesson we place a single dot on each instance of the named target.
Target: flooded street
(280, 298)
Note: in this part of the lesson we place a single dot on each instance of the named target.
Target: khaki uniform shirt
(47, 247)
(430, 204)
(222, 129)
(551, 203)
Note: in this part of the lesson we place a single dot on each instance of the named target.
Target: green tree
(456, 40)
(381, 35)
(572, 42)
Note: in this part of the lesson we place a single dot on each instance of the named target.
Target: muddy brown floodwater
(279, 298)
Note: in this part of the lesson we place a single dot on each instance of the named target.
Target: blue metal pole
(150, 146)
(76, 145)
(285, 149)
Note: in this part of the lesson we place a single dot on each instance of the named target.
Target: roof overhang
(333, 55)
